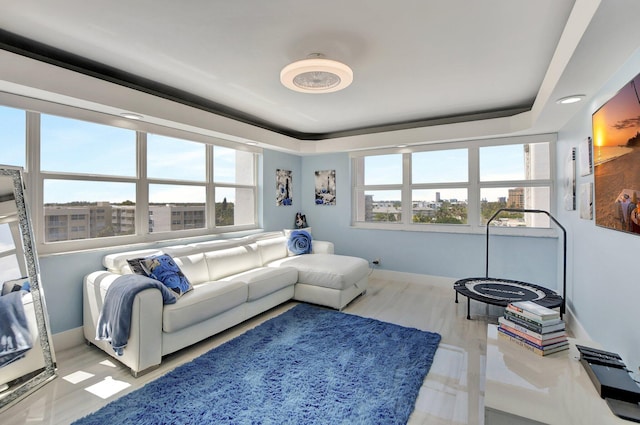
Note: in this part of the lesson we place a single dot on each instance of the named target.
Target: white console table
(524, 388)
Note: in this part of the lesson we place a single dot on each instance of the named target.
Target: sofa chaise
(232, 280)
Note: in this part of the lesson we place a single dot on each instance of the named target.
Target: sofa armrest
(144, 348)
(322, 247)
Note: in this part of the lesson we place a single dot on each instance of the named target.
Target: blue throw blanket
(114, 322)
(15, 338)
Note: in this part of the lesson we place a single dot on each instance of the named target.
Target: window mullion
(473, 193)
(210, 210)
(34, 180)
(142, 185)
(407, 201)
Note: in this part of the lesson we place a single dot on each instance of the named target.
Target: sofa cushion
(215, 245)
(227, 262)
(326, 270)
(266, 280)
(117, 263)
(194, 268)
(272, 249)
(206, 300)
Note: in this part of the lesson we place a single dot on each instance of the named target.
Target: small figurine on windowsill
(301, 221)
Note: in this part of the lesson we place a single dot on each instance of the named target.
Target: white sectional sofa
(233, 280)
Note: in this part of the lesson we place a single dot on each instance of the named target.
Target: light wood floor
(452, 393)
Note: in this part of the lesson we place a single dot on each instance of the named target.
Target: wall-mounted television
(616, 160)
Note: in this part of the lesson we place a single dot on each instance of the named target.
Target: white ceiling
(416, 63)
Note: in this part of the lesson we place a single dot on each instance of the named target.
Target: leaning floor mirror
(26, 353)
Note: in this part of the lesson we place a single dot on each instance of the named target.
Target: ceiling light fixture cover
(131, 116)
(316, 75)
(570, 99)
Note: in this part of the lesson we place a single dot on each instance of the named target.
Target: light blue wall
(604, 284)
(62, 274)
(61, 277)
(438, 254)
(276, 218)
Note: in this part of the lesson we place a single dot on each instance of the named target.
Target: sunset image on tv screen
(616, 158)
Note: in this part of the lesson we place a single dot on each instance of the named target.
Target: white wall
(604, 286)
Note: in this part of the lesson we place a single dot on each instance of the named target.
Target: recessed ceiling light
(570, 99)
(316, 75)
(131, 116)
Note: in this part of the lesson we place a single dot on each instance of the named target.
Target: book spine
(556, 349)
(535, 317)
(540, 328)
(530, 307)
(521, 339)
(520, 343)
(523, 321)
(561, 337)
(557, 332)
(512, 324)
(544, 349)
(521, 334)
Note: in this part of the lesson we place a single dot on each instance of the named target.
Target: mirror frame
(46, 374)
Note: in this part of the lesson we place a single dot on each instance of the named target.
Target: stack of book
(534, 327)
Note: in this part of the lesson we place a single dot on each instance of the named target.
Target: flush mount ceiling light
(570, 99)
(131, 116)
(316, 75)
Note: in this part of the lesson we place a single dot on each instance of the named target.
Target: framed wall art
(283, 187)
(325, 187)
(586, 157)
(616, 157)
(586, 201)
(570, 181)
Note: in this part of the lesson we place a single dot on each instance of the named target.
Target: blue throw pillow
(299, 242)
(163, 268)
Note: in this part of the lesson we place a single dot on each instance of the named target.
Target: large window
(13, 139)
(515, 176)
(235, 195)
(454, 187)
(94, 184)
(380, 186)
(74, 146)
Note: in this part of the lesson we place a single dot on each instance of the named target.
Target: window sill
(462, 229)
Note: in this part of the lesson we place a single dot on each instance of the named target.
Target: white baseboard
(574, 325)
(414, 277)
(68, 339)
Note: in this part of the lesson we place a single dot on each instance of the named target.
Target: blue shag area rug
(309, 365)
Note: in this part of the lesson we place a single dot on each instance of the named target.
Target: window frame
(35, 177)
(473, 186)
